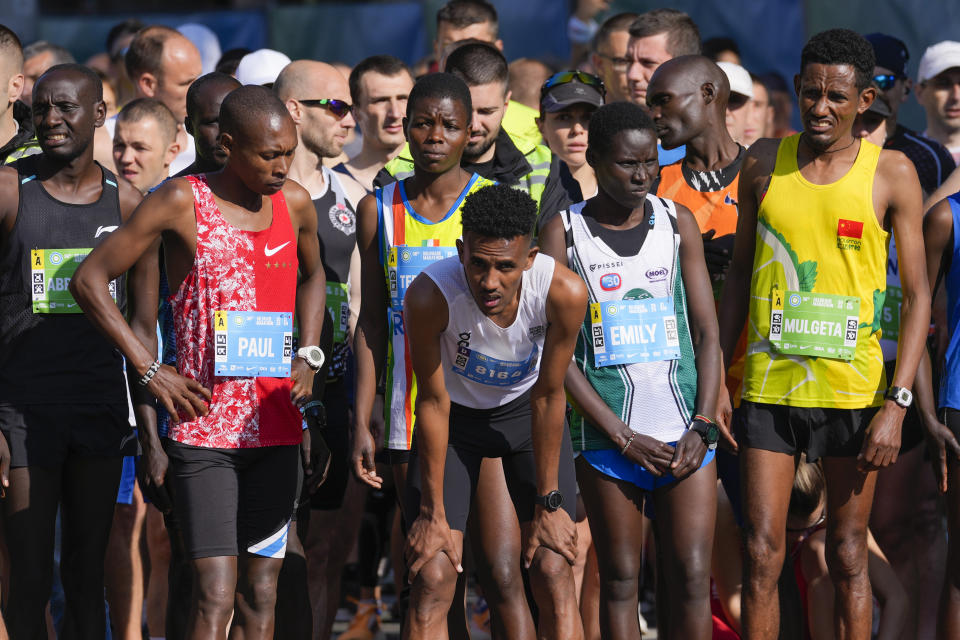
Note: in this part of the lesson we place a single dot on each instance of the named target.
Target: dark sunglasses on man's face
(338, 108)
(885, 81)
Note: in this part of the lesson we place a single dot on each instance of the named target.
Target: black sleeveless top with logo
(49, 351)
(337, 229)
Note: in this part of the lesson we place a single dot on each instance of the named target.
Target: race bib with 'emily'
(631, 331)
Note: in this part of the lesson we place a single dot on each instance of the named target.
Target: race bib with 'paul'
(253, 343)
(50, 274)
(485, 369)
(818, 325)
(632, 331)
(405, 263)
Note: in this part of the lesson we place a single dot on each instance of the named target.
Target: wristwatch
(552, 501)
(901, 395)
(708, 432)
(313, 356)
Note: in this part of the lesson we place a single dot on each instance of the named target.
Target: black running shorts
(232, 500)
(502, 432)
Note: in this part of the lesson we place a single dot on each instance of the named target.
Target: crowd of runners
(568, 353)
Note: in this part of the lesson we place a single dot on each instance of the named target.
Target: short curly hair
(440, 85)
(841, 46)
(612, 119)
(499, 211)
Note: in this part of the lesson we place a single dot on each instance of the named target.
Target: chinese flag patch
(849, 229)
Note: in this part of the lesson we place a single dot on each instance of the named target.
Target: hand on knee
(436, 580)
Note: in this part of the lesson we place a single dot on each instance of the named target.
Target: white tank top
(486, 365)
(657, 397)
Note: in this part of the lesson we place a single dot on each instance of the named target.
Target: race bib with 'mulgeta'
(819, 325)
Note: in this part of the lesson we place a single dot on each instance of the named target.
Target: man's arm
(566, 306)
(117, 254)
(370, 339)
(938, 233)
(650, 453)
(904, 206)
(311, 288)
(426, 315)
(691, 449)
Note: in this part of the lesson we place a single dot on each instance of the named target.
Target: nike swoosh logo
(102, 230)
(269, 252)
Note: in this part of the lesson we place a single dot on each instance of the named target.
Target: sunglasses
(338, 108)
(565, 77)
(885, 81)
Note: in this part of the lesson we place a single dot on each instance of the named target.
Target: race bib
(253, 343)
(339, 307)
(629, 331)
(819, 325)
(890, 314)
(50, 273)
(405, 263)
(485, 369)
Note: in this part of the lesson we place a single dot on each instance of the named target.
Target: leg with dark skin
(766, 480)
(88, 496)
(124, 568)
(29, 514)
(214, 584)
(907, 522)
(431, 596)
(293, 616)
(615, 511)
(686, 517)
(256, 598)
(495, 539)
(849, 499)
(948, 625)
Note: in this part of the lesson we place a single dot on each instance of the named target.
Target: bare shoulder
(424, 300)
(296, 196)
(761, 157)
(129, 197)
(895, 165)
(938, 221)
(567, 289)
(353, 189)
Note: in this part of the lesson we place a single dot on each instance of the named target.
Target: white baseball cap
(261, 67)
(739, 78)
(938, 58)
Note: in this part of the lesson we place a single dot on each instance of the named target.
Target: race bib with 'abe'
(485, 369)
(405, 263)
(819, 325)
(50, 274)
(631, 331)
(252, 343)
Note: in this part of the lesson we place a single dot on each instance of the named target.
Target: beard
(474, 151)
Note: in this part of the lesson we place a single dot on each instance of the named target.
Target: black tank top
(54, 358)
(337, 229)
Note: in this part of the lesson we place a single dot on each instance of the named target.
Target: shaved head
(688, 74)
(309, 79)
(687, 98)
(252, 108)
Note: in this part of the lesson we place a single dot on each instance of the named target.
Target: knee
(262, 590)
(505, 580)
(214, 596)
(690, 578)
(846, 555)
(549, 568)
(436, 580)
(620, 579)
(765, 550)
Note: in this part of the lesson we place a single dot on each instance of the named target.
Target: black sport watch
(708, 432)
(552, 501)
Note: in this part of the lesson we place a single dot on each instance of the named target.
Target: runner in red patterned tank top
(229, 264)
(233, 242)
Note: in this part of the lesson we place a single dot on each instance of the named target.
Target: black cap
(890, 52)
(563, 95)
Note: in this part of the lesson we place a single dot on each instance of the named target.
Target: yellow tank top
(814, 244)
